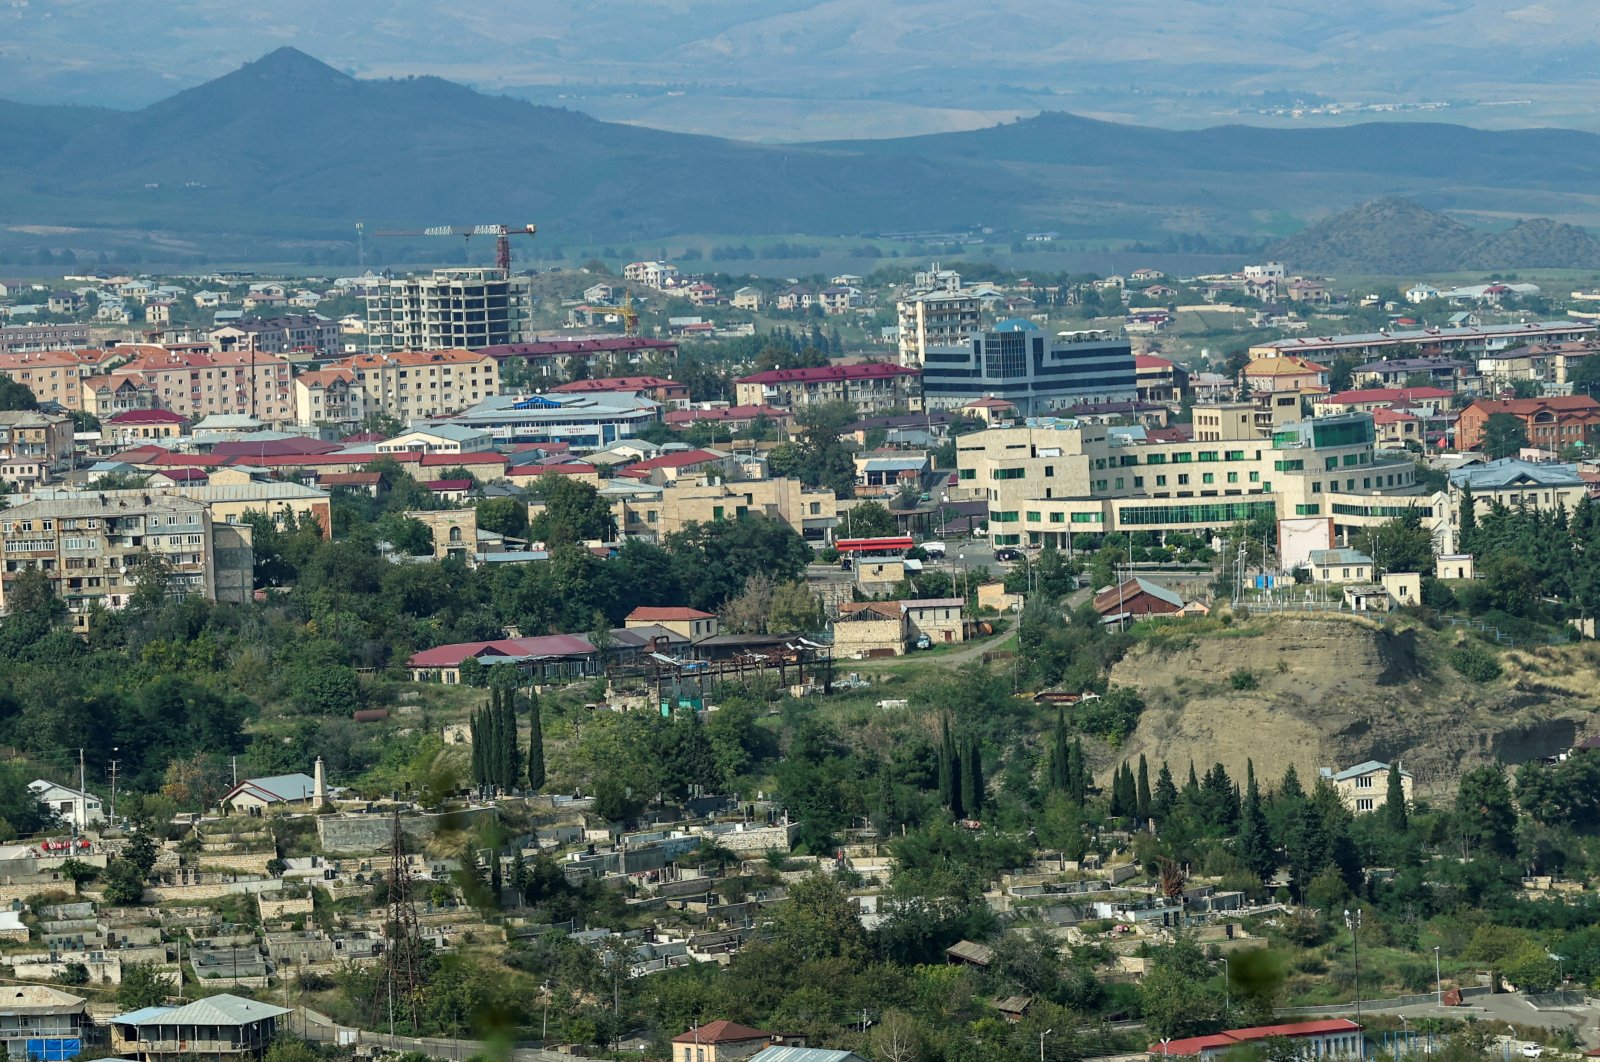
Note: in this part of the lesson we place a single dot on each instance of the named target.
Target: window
(1364, 804)
(1183, 479)
(1033, 516)
(1364, 782)
(1008, 473)
(1208, 477)
(1161, 481)
(1058, 518)
(1233, 477)
(1307, 510)
(968, 473)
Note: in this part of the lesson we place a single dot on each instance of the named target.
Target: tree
(1485, 812)
(536, 777)
(1467, 521)
(972, 786)
(409, 536)
(1142, 795)
(1255, 843)
(1398, 545)
(143, 985)
(1503, 436)
(818, 922)
(503, 516)
(574, 513)
(16, 396)
(870, 519)
(1394, 803)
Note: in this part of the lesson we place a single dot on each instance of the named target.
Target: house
(1134, 599)
(938, 619)
(1454, 566)
(1328, 1038)
(726, 1041)
(1551, 423)
(868, 629)
(747, 298)
(689, 623)
(253, 795)
(1516, 483)
(1365, 787)
(553, 656)
(134, 426)
(1285, 372)
(43, 1023)
(1340, 566)
(806, 1054)
(969, 953)
(439, 439)
(69, 805)
(218, 1025)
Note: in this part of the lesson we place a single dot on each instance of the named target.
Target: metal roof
(223, 1009)
(1513, 471)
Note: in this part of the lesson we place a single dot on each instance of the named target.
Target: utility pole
(83, 794)
(1352, 921)
(1042, 1035)
(114, 788)
(1438, 982)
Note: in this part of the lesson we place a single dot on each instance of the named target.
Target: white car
(1531, 1050)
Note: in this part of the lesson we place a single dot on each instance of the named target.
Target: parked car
(924, 642)
(1531, 1050)
(1008, 554)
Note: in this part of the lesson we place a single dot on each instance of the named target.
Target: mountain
(1398, 237)
(287, 148)
(1135, 60)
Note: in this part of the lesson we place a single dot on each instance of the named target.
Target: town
(629, 660)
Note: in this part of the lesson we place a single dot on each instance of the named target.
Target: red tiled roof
(647, 614)
(816, 374)
(1150, 361)
(1391, 416)
(146, 416)
(615, 383)
(1194, 1045)
(691, 416)
(449, 484)
(1389, 394)
(571, 468)
(298, 444)
(179, 460)
(683, 459)
(548, 645)
(184, 475)
(1523, 407)
(721, 1032)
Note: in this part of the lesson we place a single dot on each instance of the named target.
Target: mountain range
(288, 148)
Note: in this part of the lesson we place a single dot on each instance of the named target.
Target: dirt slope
(1336, 691)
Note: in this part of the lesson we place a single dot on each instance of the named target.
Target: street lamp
(1042, 1035)
(1438, 983)
(1227, 991)
(1352, 921)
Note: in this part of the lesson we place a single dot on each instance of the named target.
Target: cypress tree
(1059, 753)
(1117, 808)
(1255, 846)
(947, 786)
(1467, 521)
(511, 758)
(535, 744)
(1078, 779)
(1191, 788)
(972, 779)
(1142, 795)
(1394, 804)
(1165, 794)
(475, 732)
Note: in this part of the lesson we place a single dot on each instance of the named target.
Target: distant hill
(1397, 236)
(288, 149)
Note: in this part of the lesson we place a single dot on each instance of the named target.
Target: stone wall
(279, 907)
(369, 833)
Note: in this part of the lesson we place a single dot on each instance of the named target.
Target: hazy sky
(760, 67)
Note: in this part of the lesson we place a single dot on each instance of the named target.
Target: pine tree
(1191, 788)
(1394, 804)
(1165, 795)
(535, 744)
(1142, 795)
(972, 779)
(1255, 846)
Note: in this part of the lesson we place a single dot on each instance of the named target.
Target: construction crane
(630, 316)
(502, 238)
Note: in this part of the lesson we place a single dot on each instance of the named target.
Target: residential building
(1368, 400)
(558, 357)
(731, 419)
(254, 795)
(1551, 423)
(198, 384)
(1324, 1039)
(1159, 379)
(937, 318)
(651, 512)
(880, 473)
(669, 393)
(1340, 566)
(53, 376)
(418, 384)
(805, 1054)
(839, 298)
(1053, 479)
(1365, 787)
(450, 309)
(19, 339)
(650, 274)
(891, 628)
(686, 622)
(553, 656)
(33, 446)
(332, 397)
(90, 546)
(454, 531)
(1426, 342)
(1284, 373)
(1399, 427)
(215, 1026)
(1511, 482)
(871, 387)
(747, 298)
(1016, 361)
(581, 422)
(70, 805)
(105, 396)
(37, 1022)
(724, 1041)
(1447, 373)
(444, 438)
(1135, 599)
(295, 334)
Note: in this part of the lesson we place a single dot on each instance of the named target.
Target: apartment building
(870, 388)
(53, 376)
(297, 334)
(107, 396)
(1552, 423)
(650, 512)
(196, 384)
(670, 393)
(20, 339)
(333, 397)
(416, 385)
(650, 274)
(33, 446)
(583, 422)
(451, 308)
(941, 318)
(1015, 361)
(1365, 787)
(1053, 479)
(90, 546)
(1428, 342)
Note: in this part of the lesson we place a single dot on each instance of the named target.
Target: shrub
(1243, 679)
(1474, 662)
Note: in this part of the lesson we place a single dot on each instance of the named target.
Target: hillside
(287, 148)
(1398, 236)
(1340, 691)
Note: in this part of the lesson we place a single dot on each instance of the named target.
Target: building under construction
(450, 308)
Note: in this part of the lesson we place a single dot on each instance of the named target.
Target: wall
(369, 833)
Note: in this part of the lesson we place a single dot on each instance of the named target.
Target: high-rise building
(412, 385)
(940, 318)
(470, 308)
(1037, 373)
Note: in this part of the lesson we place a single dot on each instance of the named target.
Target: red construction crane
(502, 238)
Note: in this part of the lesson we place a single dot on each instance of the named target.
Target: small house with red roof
(133, 426)
(1158, 379)
(726, 1041)
(1326, 1039)
(691, 623)
(193, 477)
(449, 490)
(670, 467)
